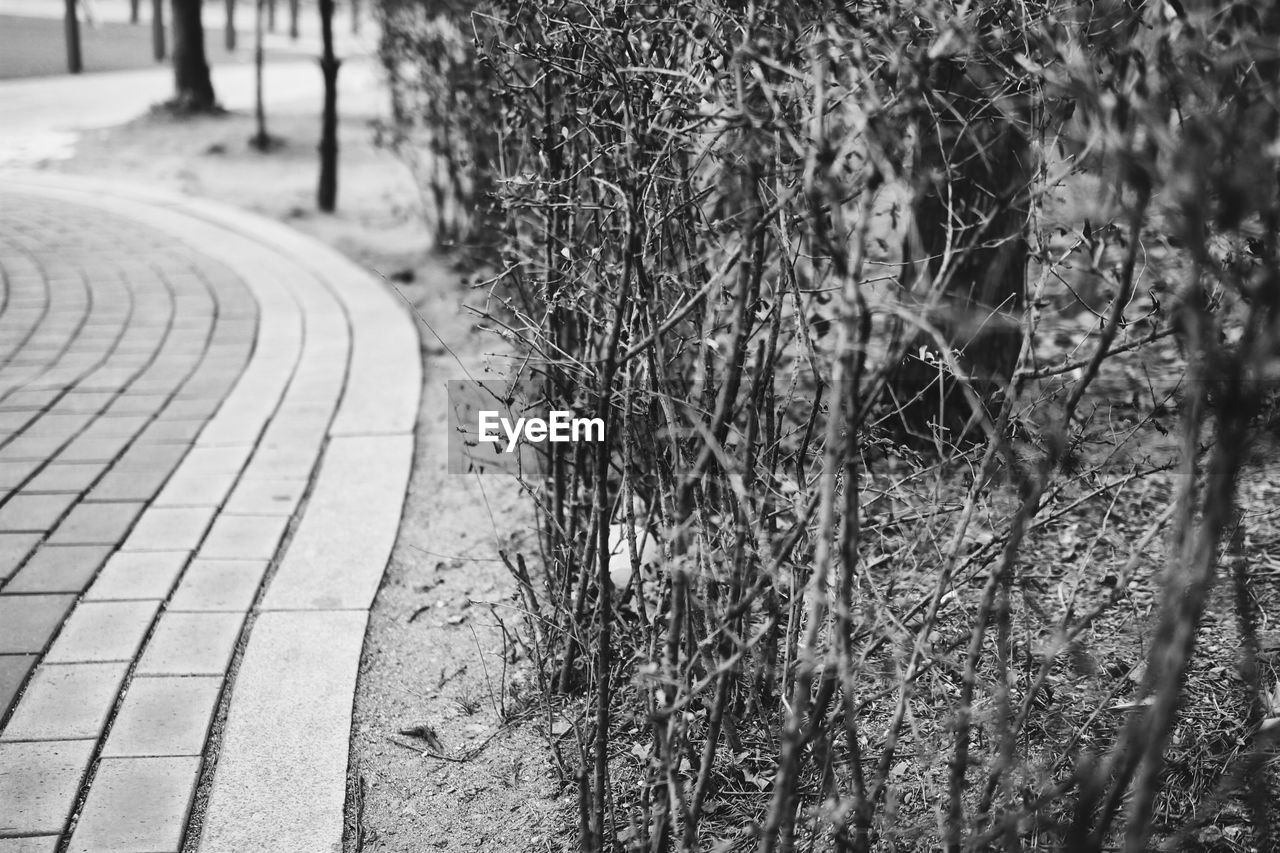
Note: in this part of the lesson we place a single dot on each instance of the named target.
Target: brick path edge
(314, 640)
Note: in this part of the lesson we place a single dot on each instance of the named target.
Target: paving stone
(137, 804)
(84, 402)
(103, 631)
(216, 460)
(97, 523)
(66, 701)
(14, 548)
(58, 424)
(282, 766)
(129, 482)
(14, 472)
(265, 497)
(384, 396)
(190, 409)
(170, 431)
(13, 671)
(33, 513)
(30, 844)
(164, 715)
(95, 448)
(342, 545)
(134, 403)
(124, 425)
(295, 431)
(219, 585)
(163, 457)
(286, 466)
(73, 477)
(29, 401)
(27, 622)
(12, 422)
(187, 489)
(236, 423)
(60, 568)
(112, 379)
(138, 575)
(191, 644)
(323, 387)
(45, 437)
(208, 385)
(244, 537)
(39, 783)
(34, 444)
(194, 329)
(60, 377)
(134, 341)
(164, 528)
(215, 376)
(168, 378)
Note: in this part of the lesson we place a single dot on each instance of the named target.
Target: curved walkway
(206, 429)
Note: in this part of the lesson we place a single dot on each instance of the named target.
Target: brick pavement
(175, 380)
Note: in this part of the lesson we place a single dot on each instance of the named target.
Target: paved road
(205, 437)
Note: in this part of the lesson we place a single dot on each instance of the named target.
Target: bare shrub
(752, 238)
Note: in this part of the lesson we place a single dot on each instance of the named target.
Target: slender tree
(193, 87)
(72, 26)
(230, 29)
(135, 11)
(327, 194)
(261, 139)
(157, 30)
(966, 252)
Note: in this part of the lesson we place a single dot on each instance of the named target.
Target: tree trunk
(327, 194)
(293, 19)
(135, 11)
(968, 242)
(193, 88)
(71, 24)
(230, 31)
(157, 30)
(261, 139)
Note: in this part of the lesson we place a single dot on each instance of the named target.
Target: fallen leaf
(425, 733)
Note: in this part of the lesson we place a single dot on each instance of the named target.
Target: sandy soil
(444, 755)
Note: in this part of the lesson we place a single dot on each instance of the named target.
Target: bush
(442, 115)
(886, 308)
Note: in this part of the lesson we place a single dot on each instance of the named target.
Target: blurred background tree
(193, 87)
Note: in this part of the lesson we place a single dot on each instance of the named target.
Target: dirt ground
(445, 754)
